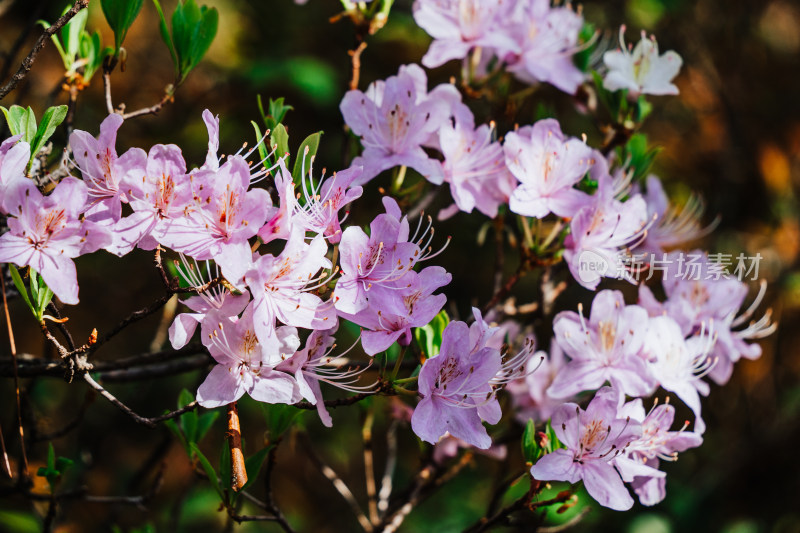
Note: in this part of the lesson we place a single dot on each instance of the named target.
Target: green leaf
(44, 294)
(254, 463)
(173, 427)
(280, 140)
(71, 33)
(28, 128)
(530, 449)
(165, 36)
(429, 337)
(225, 463)
(51, 119)
(308, 149)
(279, 417)
(14, 118)
(209, 470)
(204, 423)
(188, 419)
(193, 31)
(21, 288)
(262, 147)
(120, 15)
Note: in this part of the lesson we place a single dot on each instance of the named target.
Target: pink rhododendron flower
(456, 391)
(14, 157)
(594, 438)
(246, 363)
(281, 287)
(158, 196)
(600, 234)
(607, 347)
(457, 26)
(548, 166)
(699, 293)
(391, 317)
(475, 168)
(222, 219)
(46, 233)
(639, 464)
(643, 70)
(547, 38)
(103, 171)
(394, 119)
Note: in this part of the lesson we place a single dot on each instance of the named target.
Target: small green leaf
(173, 427)
(15, 116)
(279, 418)
(530, 449)
(28, 129)
(225, 463)
(120, 15)
(162, 27)
(21, 288)
(193, 31)
(429, 337)
(280, 141)
(254, 463)
(209, 470)
(188, 419)
(71, 33)
(308, 149)
(43, 296)
(51, 119)
(204, 423)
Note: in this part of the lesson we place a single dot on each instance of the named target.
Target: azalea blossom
(103, 171)
(14, 157)
(643, 70)
(457, 26)
(601, 234)
(474, 167)
(456, 391)
(394, 119)
(391, 317)
(158, 196)
(548, 166)
(679, 364)
(547, 38)
(282, 287)
(246, 363)
(607, 347)
(216, 301)
(594, 438)
(370, 262)
(699, 293)
(222, 220)
(46, 233)
(639, 464)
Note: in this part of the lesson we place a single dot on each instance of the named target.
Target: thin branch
(340, 402)
(27, 63)
(13, 347)
(369, 468)
(149, 422)
(356, 57)
(341, 487)
(169, 96)
(391, 462)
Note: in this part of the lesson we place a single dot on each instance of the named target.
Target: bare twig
(149, 422)
(107, 89)
(27, 63)
(169, 96)
(356, 57)
(341, 487)
(238, 471)
(369, 468)
(391, 463)
(13, 347)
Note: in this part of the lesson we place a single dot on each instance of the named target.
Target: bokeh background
(733, 135)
